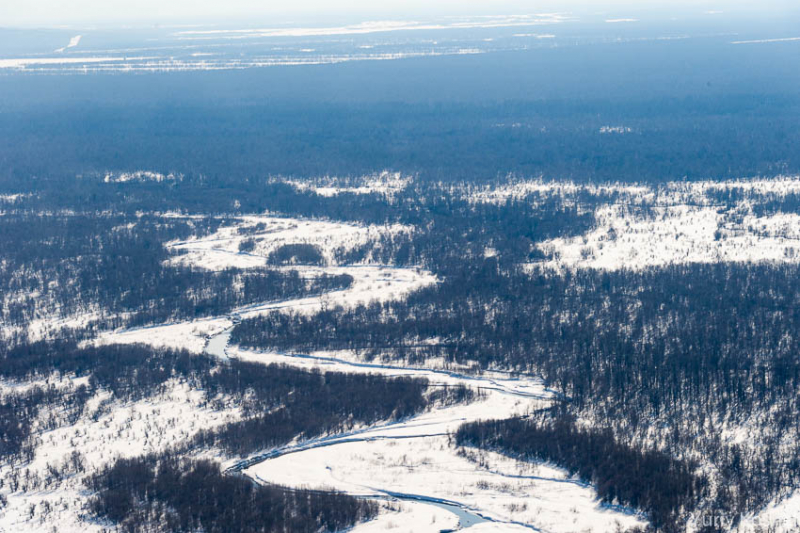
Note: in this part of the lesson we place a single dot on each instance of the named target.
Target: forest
(169, 493)
(648, 365)
(687, 346)
(642, 479)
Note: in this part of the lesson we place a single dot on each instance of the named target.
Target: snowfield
(380, 26)
(139, 176)
(221, 249)
(677, 223)
(24, 62)
(779, 517)
(414, 459)
(369, 283)
(128, 64)
(532, 190)
(11, 198)
(73, 42)
(385, 184)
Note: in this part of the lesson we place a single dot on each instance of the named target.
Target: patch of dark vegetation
(129, 372)
(168, 493)
(247, 245)
(663, 487)
(297, 254)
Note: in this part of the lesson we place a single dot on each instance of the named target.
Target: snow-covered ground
(416, 459)
(672, 224)
(779, 517)
(371, 282)
(530, 190)
(221, 249)
(107, 430)
(73, 42)
(130, 64)
(423, 482)
(385, 184)
(11, 198)
(380, 26)
(139, 176)
(23, 62)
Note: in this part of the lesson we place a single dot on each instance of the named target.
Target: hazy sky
(89, 12)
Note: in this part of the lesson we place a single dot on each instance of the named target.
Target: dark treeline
(453, 232)
(701, 325)
(108, 366)
(678, 350)
(284, 403)
(761, 204)
(666, 489)
(167, 493)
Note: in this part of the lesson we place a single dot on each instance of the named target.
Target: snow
(385, 184)
(49, 321)
(779, 517)
(139, 176)
(523, 190)
(371, 282)
(409, 517)
(221, 249)
(55, 380)
(192, 336)
(421, 480)
(615, 129)
(536, 35)
(72, 43)
(415, 457)
(11, 198)
(681, 223)
(50, 325)
(390, 460)
(23, 62)
(503, 490)
(378, 27)
(761, 41)
(102, 434)
(173, 64)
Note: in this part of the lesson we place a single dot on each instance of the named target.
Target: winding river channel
(424, 481)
